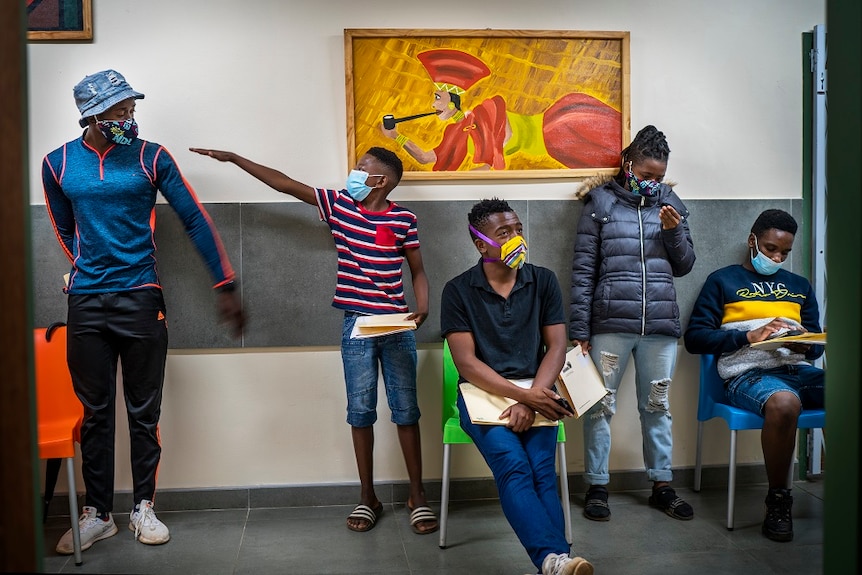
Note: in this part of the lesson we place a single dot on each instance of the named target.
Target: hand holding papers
(485, 408)
(383, 324)
(580, 382)
(809, 338)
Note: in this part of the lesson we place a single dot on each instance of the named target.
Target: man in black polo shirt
(504, 322)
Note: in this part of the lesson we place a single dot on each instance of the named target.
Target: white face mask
(762, 264)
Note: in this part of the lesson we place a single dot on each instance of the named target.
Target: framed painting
(463, 104)
(59, 20)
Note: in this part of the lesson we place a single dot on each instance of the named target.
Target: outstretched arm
(269, 176)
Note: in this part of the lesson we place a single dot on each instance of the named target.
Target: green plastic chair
(453, 435)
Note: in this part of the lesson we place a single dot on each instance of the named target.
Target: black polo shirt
(507, 332)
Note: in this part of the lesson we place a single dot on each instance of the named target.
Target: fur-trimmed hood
(600, 179)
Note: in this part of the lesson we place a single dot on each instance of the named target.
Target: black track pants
(130, 326)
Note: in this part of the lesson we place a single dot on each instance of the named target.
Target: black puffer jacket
(624, 263)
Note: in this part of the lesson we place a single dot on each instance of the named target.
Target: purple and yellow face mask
(513, 253)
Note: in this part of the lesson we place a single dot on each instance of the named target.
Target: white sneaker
(559, 564)
(91, 528)
(148, 529)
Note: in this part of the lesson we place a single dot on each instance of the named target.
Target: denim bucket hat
(98, 92)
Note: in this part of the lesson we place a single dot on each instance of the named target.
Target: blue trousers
(523, 465)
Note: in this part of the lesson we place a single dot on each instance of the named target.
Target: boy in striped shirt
(373, 236)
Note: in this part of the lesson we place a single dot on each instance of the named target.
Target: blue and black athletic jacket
(102, 208)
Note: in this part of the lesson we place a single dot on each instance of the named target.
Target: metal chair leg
(444, 495)
(73, 510)
(564, 492)
(698, 458)
(731, 480)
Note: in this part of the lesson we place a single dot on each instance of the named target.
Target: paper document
(382, 324)
(811, 338)
(580, 382)
(485, 408)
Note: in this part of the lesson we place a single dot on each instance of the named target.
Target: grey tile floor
(314, 540)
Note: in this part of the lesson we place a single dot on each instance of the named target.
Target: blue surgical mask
(121, 132)
(356, 186)
(762, 264)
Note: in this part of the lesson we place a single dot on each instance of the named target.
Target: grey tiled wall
(286, 261)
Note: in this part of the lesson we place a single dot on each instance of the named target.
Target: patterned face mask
(513, 253)
(648, 188)
(121, 132)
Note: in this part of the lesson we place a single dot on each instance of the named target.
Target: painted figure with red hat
(578, 130)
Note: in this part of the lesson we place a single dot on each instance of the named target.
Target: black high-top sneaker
(778, 523)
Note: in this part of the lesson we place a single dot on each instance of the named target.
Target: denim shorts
(393, 355)
(752, 389)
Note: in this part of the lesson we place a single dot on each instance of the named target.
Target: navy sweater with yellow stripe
(102, 207)
(735, 300)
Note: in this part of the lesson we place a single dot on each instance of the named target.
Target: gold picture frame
(50, 20)
(504, 104)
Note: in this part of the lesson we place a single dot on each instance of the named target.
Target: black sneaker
(666, 499)
(778, 523)
(596, 503)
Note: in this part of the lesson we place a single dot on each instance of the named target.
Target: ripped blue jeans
(655, 361)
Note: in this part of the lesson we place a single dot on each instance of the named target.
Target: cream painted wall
(266, 79)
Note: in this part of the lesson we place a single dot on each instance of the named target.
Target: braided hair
(648, 143)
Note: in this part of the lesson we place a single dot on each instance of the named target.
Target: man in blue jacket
(100, 191)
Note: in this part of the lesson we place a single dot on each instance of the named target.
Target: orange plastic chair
(59, 416)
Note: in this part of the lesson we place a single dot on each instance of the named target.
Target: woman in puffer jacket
(632, 240)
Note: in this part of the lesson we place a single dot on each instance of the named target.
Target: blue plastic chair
(453, 435)
(712, 403)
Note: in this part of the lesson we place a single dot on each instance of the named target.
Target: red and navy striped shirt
(371, 247)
